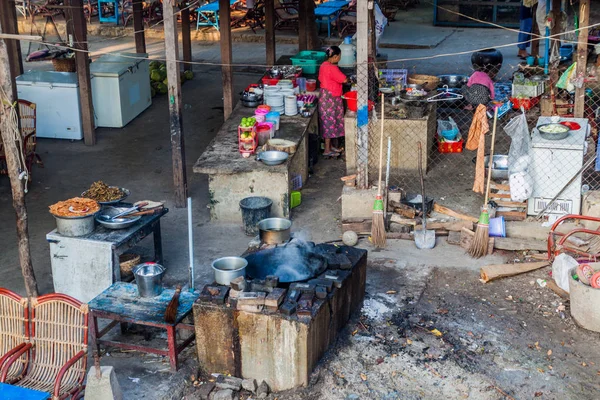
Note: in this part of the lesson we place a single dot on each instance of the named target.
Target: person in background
(331, 106)
(480, 87)
(525, 29)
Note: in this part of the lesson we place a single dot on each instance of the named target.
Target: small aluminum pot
(274, 230)
(75, 226)
(148, 277)
(228, 268)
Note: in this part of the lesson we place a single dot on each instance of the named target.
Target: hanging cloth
(476, 140)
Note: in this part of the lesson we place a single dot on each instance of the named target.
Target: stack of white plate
(275, 100)
(291, 105)
(287, 92)
(285, 84)
(269, 91)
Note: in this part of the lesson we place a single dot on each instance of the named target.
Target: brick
(275, 298)
(238, 284)
(226, 394)
(234, 294)
(253, 308)
(204, 391)
(303, 287)
(293, 295)
(304, 311)
(251, 298)
(338, 277)
(213, 290)
(249, 385)
(288, 307)
(327, 283)
(306, 300)
(321, 292)
(260, 287)
(229, 382)
(263, 390)
(338, 261)
(205, 295)
(272, 280)
(220, 297)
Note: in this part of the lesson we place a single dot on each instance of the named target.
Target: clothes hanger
(445, 95)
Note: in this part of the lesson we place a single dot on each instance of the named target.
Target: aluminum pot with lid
(274, 230)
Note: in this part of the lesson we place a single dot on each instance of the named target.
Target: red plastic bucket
(352, 103)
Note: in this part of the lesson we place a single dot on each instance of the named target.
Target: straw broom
(479, 245)
(378, 223)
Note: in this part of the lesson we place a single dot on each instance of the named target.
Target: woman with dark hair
(331, 107)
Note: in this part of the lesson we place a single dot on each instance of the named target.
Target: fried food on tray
(75, 207)
(100, 191)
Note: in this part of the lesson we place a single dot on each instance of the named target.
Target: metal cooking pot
(228, 268)
(75, 226)
(274, 230)
(453, 81)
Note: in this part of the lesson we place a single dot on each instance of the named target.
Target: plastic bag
(521, 186)
(448, 127)
(520, 144)
(561, 269)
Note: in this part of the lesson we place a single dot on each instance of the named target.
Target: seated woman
(479, 89)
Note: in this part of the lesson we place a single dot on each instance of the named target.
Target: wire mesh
(549, 167)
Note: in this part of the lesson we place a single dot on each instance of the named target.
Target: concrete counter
(232, 177)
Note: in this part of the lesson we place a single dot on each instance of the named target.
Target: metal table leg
(172, 343)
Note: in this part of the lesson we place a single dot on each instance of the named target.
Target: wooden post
(363, 8)
(11, 152)
(226, 57)
(311, 31)
(372, 36)
(270, 31)
(82, 60)
(582, 52)
(535, 39)
(175, 118)
(138, 26)
(186, 36)
(303, 24)
(8, 19)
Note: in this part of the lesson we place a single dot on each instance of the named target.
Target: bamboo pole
(11, 153)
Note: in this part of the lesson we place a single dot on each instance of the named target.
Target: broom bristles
(479, 245)
(378, 224)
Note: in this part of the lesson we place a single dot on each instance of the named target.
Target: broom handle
(491, 163)
(381, 145)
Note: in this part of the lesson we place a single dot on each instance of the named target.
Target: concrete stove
(276, 332)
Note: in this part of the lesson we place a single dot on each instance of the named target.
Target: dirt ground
(435, 332)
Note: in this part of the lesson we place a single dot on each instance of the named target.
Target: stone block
(303, 287)
(251, 298)
(238, 284)
(326, 283)
(104, 388)
(321, 292)
(272, 281)
(275, 298)
(357, 204)
(205, 390)
(263, 390)
(229, 382)
(249, 385)
(288, 308)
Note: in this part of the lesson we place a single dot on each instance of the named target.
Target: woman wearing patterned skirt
(331, 107)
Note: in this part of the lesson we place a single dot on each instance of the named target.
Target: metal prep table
(84, 266)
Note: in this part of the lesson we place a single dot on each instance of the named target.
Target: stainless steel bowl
(564, 131)
(274, 230)
(125, 191)
(228, 268)
(499, 166)
(272, 157)
(105, 215)
(453, 81)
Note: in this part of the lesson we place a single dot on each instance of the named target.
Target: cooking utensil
(272, 157)
(107, 218)
(453, 81)
(424, 239)
(228, 268)
(561, 131)
(75, 226)
(288, 269)
(128, 211)
(148, 277)
(274, 230)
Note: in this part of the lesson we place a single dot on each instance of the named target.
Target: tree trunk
(11, 152)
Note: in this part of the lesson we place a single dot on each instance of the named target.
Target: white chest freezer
(56, 95)
(554, 163)
(120, 88)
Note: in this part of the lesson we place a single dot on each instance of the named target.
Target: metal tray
(126, 191)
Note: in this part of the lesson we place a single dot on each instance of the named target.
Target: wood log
(404, 221)
(358, 226)
(446, 211)
(493, 272)
(540, 256)
(550, 283)
(499, 186)
(499, 196)
(466, 237)
(282, 145)
(402, 209)
(454, 226)
(511, 204)
(512, 215)
(518, 244)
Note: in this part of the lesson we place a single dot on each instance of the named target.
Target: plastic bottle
(348, 58)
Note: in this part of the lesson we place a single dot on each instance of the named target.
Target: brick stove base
(270, 345)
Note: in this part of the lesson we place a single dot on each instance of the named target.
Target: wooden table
(10, 392)
(121, 303)
(232, 177)
(84, 266)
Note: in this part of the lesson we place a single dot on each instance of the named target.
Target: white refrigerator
(554, 164)
(56, 95)
(120, 88)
